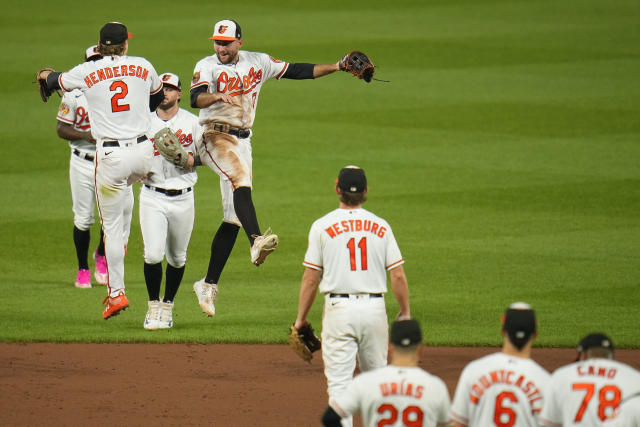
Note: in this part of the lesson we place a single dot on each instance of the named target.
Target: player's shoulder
(207, 61)
(187, 115)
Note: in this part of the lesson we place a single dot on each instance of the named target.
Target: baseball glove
(358, 64)
(304, 342)
(43, 88)
(169, 147)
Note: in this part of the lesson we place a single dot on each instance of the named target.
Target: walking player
(350, 251)
(166, 207)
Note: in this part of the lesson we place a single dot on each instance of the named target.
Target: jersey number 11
(362, 245)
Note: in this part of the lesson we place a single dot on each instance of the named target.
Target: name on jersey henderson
(506, 377)
(115, 72)
(355, 225)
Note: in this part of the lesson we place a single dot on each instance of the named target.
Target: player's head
(351, 185)
(172, 90)
(405, 336)
(519, 324)
(113, 39)
(595, 345)
(92, 53)
(227, 40)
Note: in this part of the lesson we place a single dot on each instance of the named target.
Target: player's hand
(403, 316)
(299, 323)
(225, 97)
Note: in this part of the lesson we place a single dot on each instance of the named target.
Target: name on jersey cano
(510, 378)
(355, 225)
(107, 73)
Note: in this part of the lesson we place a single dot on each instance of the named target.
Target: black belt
(231, 130)
(347, 295)
(117, 144)
(82, 155)
(170, 193)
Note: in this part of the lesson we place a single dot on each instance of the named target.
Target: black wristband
(299, 71)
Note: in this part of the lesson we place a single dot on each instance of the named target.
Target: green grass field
(505, 153)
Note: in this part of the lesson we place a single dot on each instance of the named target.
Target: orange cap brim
(223, 38)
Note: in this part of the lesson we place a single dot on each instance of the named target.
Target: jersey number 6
(121, 90)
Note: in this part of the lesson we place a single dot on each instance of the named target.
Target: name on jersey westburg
(355, 225)
(107, 73)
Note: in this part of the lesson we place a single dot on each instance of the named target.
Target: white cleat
(207, 294)
(152, 319)
(263, 246)
(165, 320)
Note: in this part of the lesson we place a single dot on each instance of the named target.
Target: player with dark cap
(587, 392)
(401, 390)
(505, 388)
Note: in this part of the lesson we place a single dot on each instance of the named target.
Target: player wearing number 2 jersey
(351, 250)
(587, 392)
(120, 90)
(503, 389)
(401, 394)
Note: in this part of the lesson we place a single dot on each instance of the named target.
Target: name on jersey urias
(118, 71)
(401, 389)
(507, 377)
(355, 225)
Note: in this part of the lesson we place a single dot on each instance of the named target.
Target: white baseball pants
(83, 195)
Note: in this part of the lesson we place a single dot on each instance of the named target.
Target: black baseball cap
(114, 33)
(519, 322)
(405, 333)
(352, 178)
(595, 340)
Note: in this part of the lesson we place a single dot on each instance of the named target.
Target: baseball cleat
(83, 279)
(101, 268)
(166, 315)
(207, 294)
(152, 319)
(263, 246)
(114, 305)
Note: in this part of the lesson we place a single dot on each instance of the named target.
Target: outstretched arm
(308, 288)
(400, 289)
(301, 71)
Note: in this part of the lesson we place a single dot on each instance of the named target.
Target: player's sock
(153, 279)
(221, 248)
(81, 239)
(174, 277)
(246, 212)
(100, 249)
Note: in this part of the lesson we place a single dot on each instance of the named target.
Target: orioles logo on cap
(222, 28)
(166, 77)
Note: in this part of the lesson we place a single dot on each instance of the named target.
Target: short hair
(352, 199)
(117, 49)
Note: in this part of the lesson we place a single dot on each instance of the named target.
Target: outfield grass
(505, 154)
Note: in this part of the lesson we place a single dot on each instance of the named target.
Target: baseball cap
(595, 340)
(351, 178)
(170, 79)
(405, 333)
(519, 321)
(226, 29)
(114, 33)
(91, 52)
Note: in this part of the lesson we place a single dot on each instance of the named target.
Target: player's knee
(177, 261)
(153, 257)
(82, 222)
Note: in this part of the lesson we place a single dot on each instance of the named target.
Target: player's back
(586, 393)
(399, 396)
(500, 390)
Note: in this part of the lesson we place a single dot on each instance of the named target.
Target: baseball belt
(347, 295)
(82, 155)
(232, 130)
(117, 144)
(170, 193)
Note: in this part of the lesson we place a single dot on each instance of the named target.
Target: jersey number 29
(412, 416)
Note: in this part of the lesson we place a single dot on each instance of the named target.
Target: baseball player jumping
(120, 92)
(75, 127)
(587, 392)
(166, 207)
(226, 87)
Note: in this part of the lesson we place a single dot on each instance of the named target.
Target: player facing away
(167, 207)
(627, 414)
(506, 388)
(225, 87)
(350, 251)
(587, 392)
(75, 127)
(120, 91)
(401, 394)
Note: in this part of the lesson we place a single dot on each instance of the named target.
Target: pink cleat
(83, 279)
(101, 268)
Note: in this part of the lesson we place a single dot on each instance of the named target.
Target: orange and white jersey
(243, 80)
(395, 396)
(117, 90)
(500, 390)
(165, 174)
(587, 392)
(74, 111)
(354, 248)
(627, 414)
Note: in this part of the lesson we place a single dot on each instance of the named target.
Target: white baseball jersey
(627, 414)
(126, 81)
(395, 396)
(354, 248)
(74, 111)
(243, 79)
(499, 390)
(587, 392)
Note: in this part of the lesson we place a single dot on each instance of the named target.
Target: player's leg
(373, 334)
(101, 262)
(225, 237)
(82, 197)
(180, 226)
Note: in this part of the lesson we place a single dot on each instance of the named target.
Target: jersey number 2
(121, 90)
(412, 416)
(362, 245)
